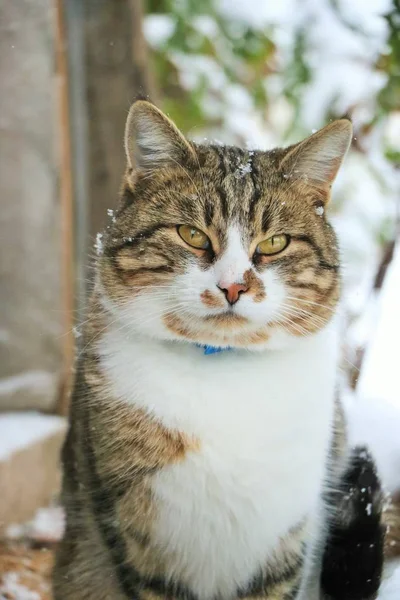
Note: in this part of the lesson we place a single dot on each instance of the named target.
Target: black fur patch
(353, 558)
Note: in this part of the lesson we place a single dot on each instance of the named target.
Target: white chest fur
(263, 421)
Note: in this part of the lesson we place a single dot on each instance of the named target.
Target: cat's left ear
(152, 140)
(317, 159)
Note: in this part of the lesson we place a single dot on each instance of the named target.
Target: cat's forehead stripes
(228, 186)
(237, 195)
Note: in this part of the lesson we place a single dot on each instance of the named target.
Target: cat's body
(213, 505)
(202, 476)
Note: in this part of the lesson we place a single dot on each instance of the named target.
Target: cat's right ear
(152, 140)
(317, 159)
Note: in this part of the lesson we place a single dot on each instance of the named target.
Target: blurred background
(260, 73)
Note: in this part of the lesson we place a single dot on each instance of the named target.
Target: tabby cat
(206, 456)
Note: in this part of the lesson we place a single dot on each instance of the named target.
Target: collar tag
(211, 349)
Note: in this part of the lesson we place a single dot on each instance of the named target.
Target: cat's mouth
(224, 329)
(227, 319)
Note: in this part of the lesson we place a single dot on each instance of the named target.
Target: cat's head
(220, 245)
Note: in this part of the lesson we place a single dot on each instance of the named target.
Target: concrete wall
(30, 225)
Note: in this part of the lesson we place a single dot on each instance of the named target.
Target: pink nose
(232, 292)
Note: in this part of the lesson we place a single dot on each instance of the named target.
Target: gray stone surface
(30, 221)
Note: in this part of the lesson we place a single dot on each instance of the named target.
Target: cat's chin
(226, 330)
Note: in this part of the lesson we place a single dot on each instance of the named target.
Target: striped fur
(202, 478)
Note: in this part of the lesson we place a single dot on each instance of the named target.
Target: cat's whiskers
(332, 309)
(307, 325)
(180, 309)
(76, 327)
(304, 314)
(96, 336)
(284, 321)
(289, 321)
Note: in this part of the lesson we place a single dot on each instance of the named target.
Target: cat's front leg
(310, 587)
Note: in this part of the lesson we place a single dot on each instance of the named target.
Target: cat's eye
(273, 245)
(194, 237)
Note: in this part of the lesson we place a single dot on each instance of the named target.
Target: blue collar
(211, 349)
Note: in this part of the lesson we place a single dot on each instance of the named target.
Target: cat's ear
(152, 140)
(317, 159)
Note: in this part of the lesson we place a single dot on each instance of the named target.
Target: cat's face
(222, 246)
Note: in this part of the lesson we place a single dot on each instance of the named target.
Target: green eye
(273, 245)
(194, 237)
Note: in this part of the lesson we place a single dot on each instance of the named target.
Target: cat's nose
(232, 292)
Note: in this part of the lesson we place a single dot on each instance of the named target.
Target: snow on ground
(380, 376)
(374, 410)
(390, 588)
(40, 381)
(377, 423)
(11, 587)
(19, 430)
(27, 556)
(46, 526)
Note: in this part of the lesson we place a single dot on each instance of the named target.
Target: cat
(206, 456)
